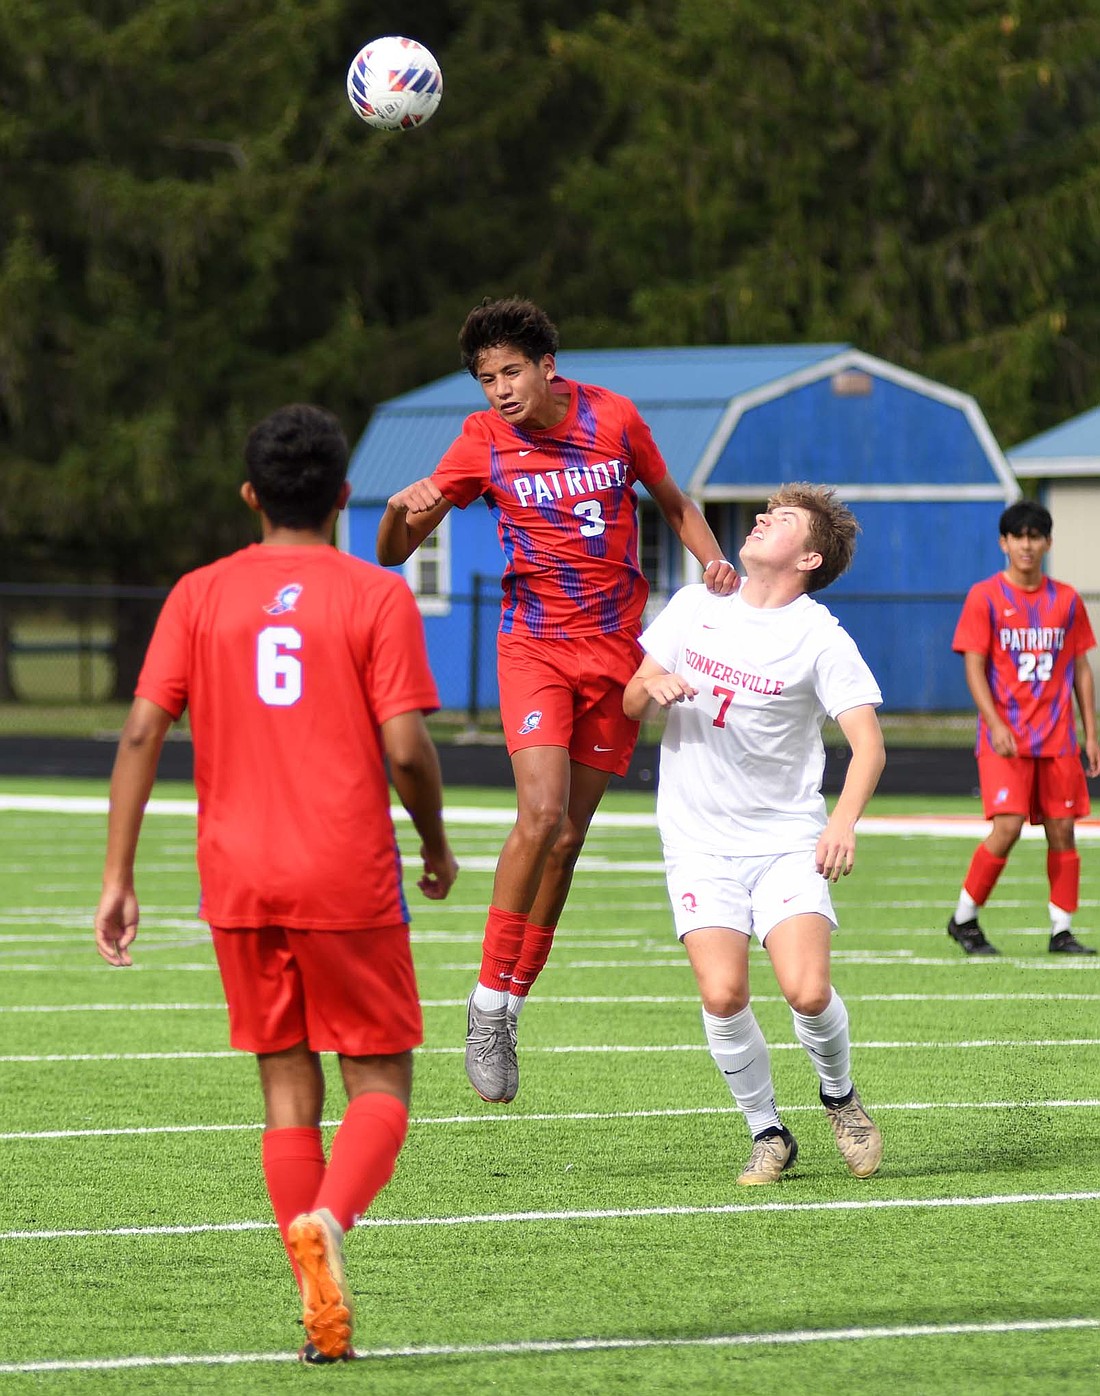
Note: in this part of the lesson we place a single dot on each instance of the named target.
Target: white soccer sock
(515, 1004)
(489, 1000)
(1059, 920)
(825, 1038)
(741, 1055)
(967, 908)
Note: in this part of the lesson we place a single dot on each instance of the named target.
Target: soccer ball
(394, 83)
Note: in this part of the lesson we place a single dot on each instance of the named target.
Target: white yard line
(565, 1117)
(722, 1209)
(549, 1346)
(941, 826)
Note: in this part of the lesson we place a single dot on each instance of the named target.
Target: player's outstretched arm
(653, 688)
(409, 517)
(135, 769)
(836, 848)
(1084, 688)
(414, 770)
(686, 520)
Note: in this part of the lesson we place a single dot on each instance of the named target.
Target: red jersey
(290, 659)
(1030, 640)
(565, 508)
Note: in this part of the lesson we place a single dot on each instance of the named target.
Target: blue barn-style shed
(914, 459)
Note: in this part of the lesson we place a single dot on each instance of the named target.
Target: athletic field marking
(619, 1048)
(566, 1117)
(582, 1050)
(542, 1347)
(723, 1209)
(943, 826)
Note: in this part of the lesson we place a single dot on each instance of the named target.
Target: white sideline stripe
(724, 1209)
(570, 998)
(574, 1049)
(574, 1117)
(620, 1048)
(545, 1346)
(942, 826)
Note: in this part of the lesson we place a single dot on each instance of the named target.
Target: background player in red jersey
(557, 462)
(303, 669)
(1024, 639)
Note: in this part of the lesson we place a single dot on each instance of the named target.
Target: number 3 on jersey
(591, 511)
(278, 673)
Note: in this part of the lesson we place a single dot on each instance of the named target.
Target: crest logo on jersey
(688, 902)
(286, 598)
(531, 722)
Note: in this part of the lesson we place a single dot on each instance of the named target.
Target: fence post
(473, 708)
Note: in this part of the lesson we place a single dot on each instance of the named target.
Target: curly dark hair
(833, 528)
(510, 321)
(1026, 516)
(297, 459)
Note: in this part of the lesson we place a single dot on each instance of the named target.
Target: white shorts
(750, 895)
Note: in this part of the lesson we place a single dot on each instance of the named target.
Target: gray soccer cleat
(491, 1064)
(857, 1135)
(772, 1153)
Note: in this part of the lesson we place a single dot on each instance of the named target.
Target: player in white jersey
(746, 681)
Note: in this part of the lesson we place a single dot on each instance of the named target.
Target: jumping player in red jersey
(557, 462)
(1024, 639)
(304, 670)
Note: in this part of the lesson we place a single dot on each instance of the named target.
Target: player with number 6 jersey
(305, 673)
(557, 462)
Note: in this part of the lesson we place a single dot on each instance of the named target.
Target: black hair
(511, 321)
(297, 459)
(1025, 516)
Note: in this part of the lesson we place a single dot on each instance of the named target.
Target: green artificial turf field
(590, 1237)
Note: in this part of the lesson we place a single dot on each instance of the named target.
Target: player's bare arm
(135, 769)
(1000, 733)
(836, 848)
(686, 520)
(409, 517)
(1084, 688)
(653, 688)
(414, 770)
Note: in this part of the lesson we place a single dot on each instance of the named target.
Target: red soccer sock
(501, 948)
(1064, 875)
(364, 1153)
(982, 875)
(294, 1165)
(537, 941)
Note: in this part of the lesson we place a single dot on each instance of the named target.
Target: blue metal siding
(894, 436)
(900, 601)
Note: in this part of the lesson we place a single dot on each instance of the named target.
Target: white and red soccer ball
(394, 83)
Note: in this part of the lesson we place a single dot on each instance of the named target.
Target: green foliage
(195, 228)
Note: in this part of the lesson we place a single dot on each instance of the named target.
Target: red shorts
(569, 693)
(1041, 787)
(352, 992)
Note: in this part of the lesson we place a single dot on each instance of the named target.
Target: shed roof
(692, 397)
(1072, 449)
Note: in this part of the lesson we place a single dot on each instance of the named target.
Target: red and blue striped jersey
(1030, 640)
(565, 508)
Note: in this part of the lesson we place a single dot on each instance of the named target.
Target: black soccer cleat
(1066, 943)
(971, 937)
(314, 1357)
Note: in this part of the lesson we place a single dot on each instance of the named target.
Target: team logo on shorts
(286, 598)
(1001, 795)
(687, 901)
(531, 722)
